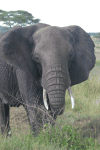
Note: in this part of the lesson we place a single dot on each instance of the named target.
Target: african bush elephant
(37, 64)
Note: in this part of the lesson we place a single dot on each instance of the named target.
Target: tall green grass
(87, 97)
(53, 138)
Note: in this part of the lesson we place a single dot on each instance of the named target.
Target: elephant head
(58, 56)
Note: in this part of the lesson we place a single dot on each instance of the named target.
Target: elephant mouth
(45, 99)
(47, 105)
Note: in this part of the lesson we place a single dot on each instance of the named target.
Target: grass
(87, 95)
(97, 46)
(98, 63)
(55, 138)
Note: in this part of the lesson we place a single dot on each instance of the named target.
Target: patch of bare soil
(19, 120)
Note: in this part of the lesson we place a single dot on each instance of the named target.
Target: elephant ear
(84, 58)
(16, 47)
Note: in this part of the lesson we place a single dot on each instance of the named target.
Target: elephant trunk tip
(57, 105)
(57, 111)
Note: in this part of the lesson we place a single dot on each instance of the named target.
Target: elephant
(37, 64)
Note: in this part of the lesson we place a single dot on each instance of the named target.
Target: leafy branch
(22, 18)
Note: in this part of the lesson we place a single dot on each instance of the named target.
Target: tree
(22, 18)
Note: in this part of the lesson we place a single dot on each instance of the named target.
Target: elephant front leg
(38, 117)
(4, 119)
(32, 98)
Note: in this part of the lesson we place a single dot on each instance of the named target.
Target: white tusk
(73, 102)
(71, 96)
(45, 99)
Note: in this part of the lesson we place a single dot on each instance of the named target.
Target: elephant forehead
(52, 38)
(51, 33)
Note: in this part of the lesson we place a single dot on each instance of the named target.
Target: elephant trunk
(55, 83)
(57, 100)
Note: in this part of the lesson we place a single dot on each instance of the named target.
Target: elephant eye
(71, 54)
(37, 58)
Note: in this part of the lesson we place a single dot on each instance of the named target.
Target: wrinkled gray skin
(41, 57)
